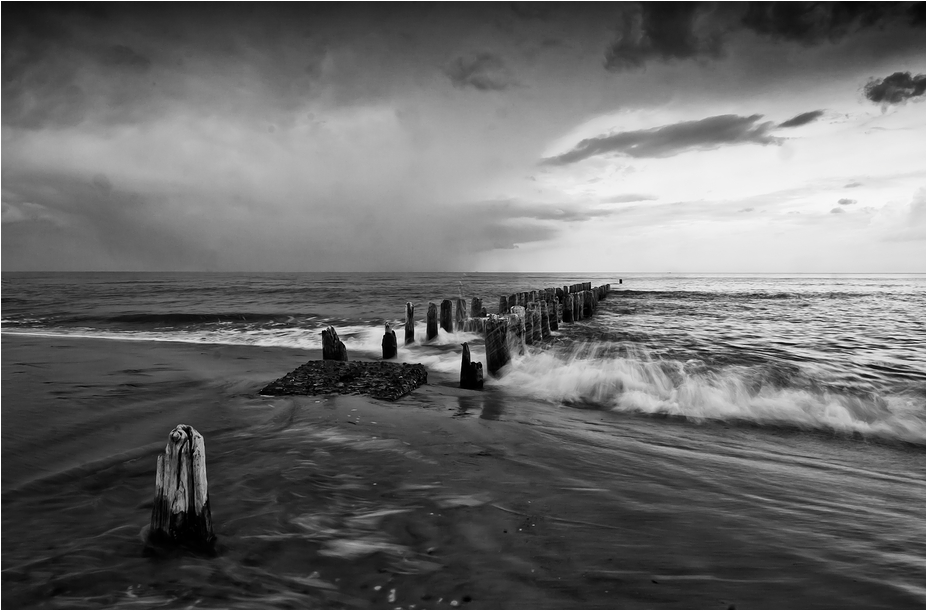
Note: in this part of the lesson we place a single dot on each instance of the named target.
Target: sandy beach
(445, 498)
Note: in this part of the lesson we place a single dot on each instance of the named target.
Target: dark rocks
(380, 380)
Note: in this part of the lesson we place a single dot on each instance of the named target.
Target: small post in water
(431, 322)
(447, 315)
(181, 504)
(545, 320)
(460, 314)
(333, 348)
(497, 351)
(471, 372)
(389, 343)
(410, 323)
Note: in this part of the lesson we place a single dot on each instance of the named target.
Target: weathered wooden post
(447, 316)
(333, 348)
(460, 314)
(554, 314)
(567, 307)
(587, 303)
(515, 334)
(545, 320)
(471, 372)
(389, 343)
(513, 301)
(476, 307)
(619, 280)
(180, 513)
(529, 323)
(410, 323)
(503, 305)
(497, 351)
(536, 324)
(431, 322)
(577, 306)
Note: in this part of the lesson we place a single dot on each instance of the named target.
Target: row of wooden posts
(524, 319)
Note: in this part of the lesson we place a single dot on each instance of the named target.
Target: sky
(637, 137)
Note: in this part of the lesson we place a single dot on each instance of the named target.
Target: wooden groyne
(524, 318)
(528, 317)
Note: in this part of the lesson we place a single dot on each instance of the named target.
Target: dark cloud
(483, 71)
(669, 140)
(132, 63)
(746, 210)
(852, 185)
(812, 23)
(896, 88)
(846, 201)
(664, 31)
(802, 119)
(837, 211)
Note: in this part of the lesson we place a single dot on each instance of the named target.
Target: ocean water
(840, 353)
(702, 441)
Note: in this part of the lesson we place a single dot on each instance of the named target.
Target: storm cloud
(812, 23)
(846, 201)
(896, 88)
(664, 31)
(669, 140)
(802, 119)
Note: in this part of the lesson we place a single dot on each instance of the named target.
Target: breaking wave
(595, 376)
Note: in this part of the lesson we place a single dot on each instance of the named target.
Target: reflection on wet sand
(489, 405)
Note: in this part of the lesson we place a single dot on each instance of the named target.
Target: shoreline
(445, 495)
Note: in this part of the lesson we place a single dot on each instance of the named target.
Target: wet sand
(447, 498)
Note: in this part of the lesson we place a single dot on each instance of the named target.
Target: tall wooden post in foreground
(410, 323)
(181, 505)
(389, 343)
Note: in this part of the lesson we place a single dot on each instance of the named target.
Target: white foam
(636, 383)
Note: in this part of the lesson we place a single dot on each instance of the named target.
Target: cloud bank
(669, 140)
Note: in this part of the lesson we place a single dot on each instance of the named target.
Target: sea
(702, 440)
